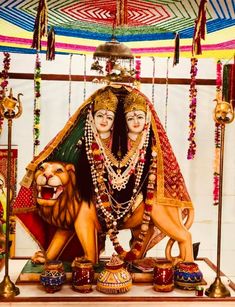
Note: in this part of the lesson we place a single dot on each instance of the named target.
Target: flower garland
(37, 100)
(4, 76)
(137, 72)
(217, 136)
(192, 114)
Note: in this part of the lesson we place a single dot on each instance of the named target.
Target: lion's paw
(38, 258)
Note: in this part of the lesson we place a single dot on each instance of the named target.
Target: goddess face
(104, 121)
(135, 121)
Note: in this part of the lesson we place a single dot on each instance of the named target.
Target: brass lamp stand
(10, 108)
(223, 114)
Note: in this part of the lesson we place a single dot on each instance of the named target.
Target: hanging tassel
(177, 49)
(51, 45)
(40, 25)
(121, 12)
(232, 85)
(200, 29)
(228, 92)
(226, 75)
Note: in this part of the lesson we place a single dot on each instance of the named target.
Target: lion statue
(60, 205)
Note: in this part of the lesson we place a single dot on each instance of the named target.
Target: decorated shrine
(115, 166)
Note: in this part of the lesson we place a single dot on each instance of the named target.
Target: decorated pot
(82, 275)
(114, 279)
(187, 275)
(53, 276)
(163, 276)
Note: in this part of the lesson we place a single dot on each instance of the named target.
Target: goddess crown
(105, 99)
(134, 101)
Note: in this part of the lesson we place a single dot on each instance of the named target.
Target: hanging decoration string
(40, 25)
(50, 55)
(199, 29)
(192, 114)
(177, 49)
(37, 103)
(84, 79)
(228, 91)
(153, 79)
(121, 12)
(4, 76)
(217, 135)
(167, 91)
(70, 83)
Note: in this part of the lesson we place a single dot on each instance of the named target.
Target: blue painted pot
(53, 276)
(187, 275)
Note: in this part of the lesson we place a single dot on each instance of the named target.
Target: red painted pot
(163, 276)
(82, 275)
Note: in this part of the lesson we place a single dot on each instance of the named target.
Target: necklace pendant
(115, 225)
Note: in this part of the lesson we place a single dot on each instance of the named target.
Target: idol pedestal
(141, 294)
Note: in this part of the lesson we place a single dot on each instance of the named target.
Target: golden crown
(105, 99)
(134, 101)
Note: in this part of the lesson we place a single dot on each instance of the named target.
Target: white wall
(198, 173)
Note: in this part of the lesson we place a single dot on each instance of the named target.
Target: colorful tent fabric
(81, 25)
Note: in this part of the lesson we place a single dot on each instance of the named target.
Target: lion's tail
(189, 214)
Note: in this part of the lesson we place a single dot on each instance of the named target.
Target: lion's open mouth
(48, 192)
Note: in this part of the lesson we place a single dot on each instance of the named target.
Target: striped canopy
(149, 28)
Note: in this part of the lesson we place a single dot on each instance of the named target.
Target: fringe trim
(51, 45)
(40, 25)
(177, 49)
(200, 29)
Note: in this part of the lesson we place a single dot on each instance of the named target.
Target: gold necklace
(126, 158)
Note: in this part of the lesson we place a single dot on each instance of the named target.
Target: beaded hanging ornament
(153, 79)
(70, 84)
(167, 92)
(109, 174)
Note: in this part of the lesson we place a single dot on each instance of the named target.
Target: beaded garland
(167, 92)
(102, 162)
(4, 80)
